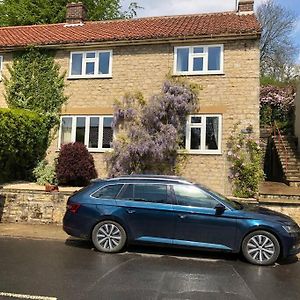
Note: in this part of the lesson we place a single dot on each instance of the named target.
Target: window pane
(104, 59)
(90, 55)
(198, 64)
(150, 193)
(198, 50)
(108, 192)
(195, 138)
(182, 59)
(76, 64)
(193, 196)
(212, 133)
(80, 129)
(107, 132)
(214, 58)
(90, 68)
(196, 120)
(94, 132)
(66, 130)
(127, 193)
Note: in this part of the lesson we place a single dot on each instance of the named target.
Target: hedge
(23, 142)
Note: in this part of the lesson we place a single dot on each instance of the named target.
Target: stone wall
(234, 95)
(297, 113)
(37, 207)
(32, 207)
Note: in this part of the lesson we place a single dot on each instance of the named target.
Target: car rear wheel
(109, 236)
(261, 248)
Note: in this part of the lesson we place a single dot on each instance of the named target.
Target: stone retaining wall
(33, 207)
(37, 207)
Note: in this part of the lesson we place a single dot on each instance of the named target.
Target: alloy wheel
(108, 236)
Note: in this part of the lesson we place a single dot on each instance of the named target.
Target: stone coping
(35, 188)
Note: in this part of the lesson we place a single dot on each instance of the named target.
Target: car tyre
(261, 248)
(109, 236)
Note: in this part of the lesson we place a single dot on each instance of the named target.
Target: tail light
(73, 207)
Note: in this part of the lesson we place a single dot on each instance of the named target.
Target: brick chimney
(246, 7)
(76, 13)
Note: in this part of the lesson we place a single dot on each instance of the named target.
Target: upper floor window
(89, 64)
(1, 66)
(203, 134)
(198, 60)
(93, 131)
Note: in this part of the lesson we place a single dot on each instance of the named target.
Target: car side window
(156, 193)
(193, 196)
(109, 191)
(150, 193)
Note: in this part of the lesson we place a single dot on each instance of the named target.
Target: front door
(198, 223)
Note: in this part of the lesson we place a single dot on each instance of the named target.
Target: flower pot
(51, 188)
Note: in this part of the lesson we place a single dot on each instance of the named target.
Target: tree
(278, 51)
(35, 83)
(28, 12)
(150, 133)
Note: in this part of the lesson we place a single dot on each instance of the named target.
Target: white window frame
(87, 131)
(202, 125)
(1, 66)
(95, 60)
(203, 55)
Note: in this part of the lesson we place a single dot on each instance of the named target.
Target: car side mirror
(220, 208)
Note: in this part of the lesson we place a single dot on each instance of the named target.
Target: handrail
(277, 133)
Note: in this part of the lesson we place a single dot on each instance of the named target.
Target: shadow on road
(178, 252)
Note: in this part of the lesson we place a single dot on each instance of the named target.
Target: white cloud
(179, 7)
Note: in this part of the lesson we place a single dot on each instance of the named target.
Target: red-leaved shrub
(75, 165)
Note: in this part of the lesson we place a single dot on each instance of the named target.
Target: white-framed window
(198, 60)
(203, 134)
(1, 66)
(95, 132)
(91, 64)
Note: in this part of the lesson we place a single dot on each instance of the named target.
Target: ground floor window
(93, 131)
(203, 134)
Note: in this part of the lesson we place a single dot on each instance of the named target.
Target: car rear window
(108, 191)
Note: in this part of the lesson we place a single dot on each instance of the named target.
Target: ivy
(245, 156)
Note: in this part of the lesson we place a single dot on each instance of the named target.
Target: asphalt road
(50, 270)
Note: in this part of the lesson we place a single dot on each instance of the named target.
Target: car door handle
(130, 211)
(182, 216)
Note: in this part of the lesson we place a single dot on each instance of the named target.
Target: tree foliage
(278, 52)
(35, 83)
(277, 103)
(28, 12)
(75, 165)
(150, 132)
(23, 142)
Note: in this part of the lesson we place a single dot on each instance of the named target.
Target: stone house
(105, 59)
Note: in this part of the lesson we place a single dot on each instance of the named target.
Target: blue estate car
(166, 210)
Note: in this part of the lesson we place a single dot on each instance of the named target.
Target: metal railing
(277, 135)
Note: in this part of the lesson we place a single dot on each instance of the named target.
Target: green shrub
(23, 142)
(45, 173)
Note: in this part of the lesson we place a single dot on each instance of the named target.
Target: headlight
(291, 228)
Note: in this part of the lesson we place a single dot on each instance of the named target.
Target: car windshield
(226, 201)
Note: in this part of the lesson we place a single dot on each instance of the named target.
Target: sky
(179, 7)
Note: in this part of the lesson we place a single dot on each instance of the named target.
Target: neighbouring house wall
(235, 95)
(7, 60)
(297, 113)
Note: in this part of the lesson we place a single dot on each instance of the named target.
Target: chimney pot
(246, 7)
(76, 13)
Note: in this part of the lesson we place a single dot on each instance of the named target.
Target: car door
(148, 212)
(198, 223)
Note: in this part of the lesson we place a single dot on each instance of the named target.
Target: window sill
(199, 74)
(89, 77)
(199, 152)
(95, 150)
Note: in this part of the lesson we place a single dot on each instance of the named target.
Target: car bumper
(292, 245)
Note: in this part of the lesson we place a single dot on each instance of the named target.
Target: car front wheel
(261, 248)
(109, 236)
